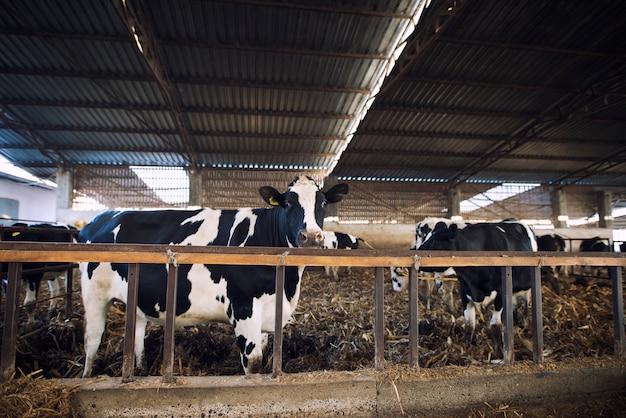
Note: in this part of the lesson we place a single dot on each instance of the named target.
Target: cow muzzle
(309, 239)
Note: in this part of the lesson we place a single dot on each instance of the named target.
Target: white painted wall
(35, 203)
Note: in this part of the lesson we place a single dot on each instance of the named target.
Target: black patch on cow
(240, 234)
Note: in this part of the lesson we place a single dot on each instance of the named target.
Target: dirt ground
(332, 330)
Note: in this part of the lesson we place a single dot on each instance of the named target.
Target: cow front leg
(470, 321)
(30, 301)
(140, 335)
(251, 342)
(54, 285)
(496, 333)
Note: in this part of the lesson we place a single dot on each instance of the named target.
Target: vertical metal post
(11, 319)
(618, 310)
(170, 316)
(379, 319)
(128, 362)
(69, 284)
(413, 319)
(507, 302)
(277, 364)
(537, 313)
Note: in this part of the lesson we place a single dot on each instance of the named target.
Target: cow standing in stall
(483, 285)
(42, 232)
(243, 296)
(443, 279)
(594, 245)
(341, 241)
(551, 274)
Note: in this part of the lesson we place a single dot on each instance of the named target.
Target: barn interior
(479, 110)
(484, 110)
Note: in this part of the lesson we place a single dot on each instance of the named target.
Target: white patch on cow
(202, 309)
(496, 318)
(243, 214)
(207, 232)
(116, 231)
(307, 200)
(470, 315)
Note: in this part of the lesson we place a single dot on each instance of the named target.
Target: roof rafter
(140, 31)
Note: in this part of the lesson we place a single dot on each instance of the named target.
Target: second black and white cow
(595, 245)
(243, 296)
(341, 241)
(442, 279)
(551, 274)
(42, 232)
(483, 285)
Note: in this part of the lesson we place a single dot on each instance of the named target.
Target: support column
(559, 208)
(454, 203)
(195, 187)
(65, 189)
(605, 209)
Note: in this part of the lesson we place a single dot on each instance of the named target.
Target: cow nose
(307, 238)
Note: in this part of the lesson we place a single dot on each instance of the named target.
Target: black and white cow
(483, 285)
(243, 296)
(342, 241)
(445, 286)
(551, 274)
(42, 232)
(595, 245)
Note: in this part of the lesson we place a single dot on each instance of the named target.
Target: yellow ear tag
(273, 201)
(15, 234)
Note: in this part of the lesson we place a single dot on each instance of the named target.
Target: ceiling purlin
(451, 154)
(165, 108)
(200, 81)
(142, 34)
(534, 48)
(31, 136)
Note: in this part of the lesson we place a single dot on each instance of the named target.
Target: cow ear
(335, 194)
(452, 231)
(271, 196)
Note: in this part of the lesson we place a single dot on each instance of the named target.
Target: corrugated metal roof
(485, 91)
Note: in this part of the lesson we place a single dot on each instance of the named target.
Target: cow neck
(276, 233)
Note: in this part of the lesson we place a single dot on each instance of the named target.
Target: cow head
(442, 238)
(302, 208)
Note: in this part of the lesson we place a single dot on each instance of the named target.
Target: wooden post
(277, 363)
(11, 319)
(170, 317)
(413, 319)
(379, 319)
(618, 310)
(537, 310)
(128, 362)
(507, 305)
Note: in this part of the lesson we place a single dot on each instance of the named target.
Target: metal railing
(135, 255)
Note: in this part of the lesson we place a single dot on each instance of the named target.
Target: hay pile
(333, 329)
(32, 396)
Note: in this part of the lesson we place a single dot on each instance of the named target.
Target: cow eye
(287, 204)
(324, 203)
